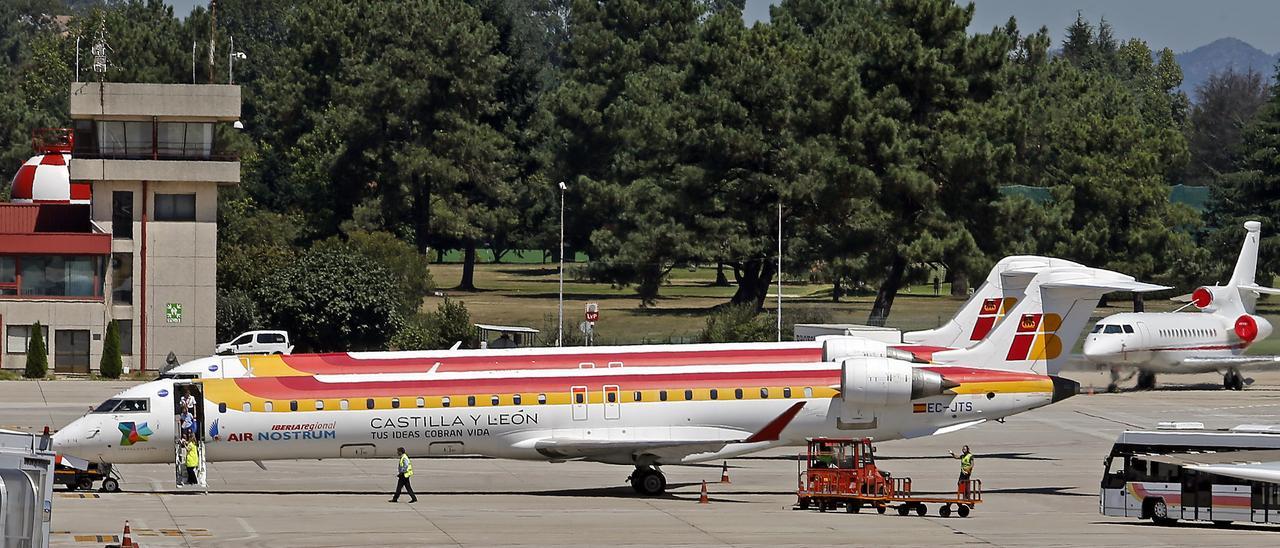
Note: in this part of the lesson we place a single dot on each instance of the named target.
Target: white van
(257, 342)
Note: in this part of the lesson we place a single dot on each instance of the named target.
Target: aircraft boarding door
(612, 402)
(578, 399)
(230, 362)
(189, 424)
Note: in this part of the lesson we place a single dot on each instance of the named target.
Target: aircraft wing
(1257, 471)
(699, 440)
(1233, 361)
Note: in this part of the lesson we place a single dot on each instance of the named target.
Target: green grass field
(525, 294)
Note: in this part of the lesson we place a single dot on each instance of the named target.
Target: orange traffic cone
(703, 499)
(127, 542)
(724, 473)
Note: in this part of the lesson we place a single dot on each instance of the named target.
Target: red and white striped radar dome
(46, 179)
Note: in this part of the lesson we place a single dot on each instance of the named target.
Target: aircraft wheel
(648, 482)
(1146, 381)
(963, 511)
(1113, 388)
(945, 510)
(110, 485)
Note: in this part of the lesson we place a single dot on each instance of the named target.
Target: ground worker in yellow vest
(192, 461)
(402, 477)
(966, 469)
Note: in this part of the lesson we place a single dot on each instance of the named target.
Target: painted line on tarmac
(1064, 426)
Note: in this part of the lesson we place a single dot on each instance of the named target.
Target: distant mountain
(1198, 64)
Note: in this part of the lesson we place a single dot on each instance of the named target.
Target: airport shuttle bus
(634, 416)
(1181, 471)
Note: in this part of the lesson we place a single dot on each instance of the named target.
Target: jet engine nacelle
(1252, 328)
(878, 381)
(839, 347)
(1213, 298)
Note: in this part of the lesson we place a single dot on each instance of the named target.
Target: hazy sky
(1177, 24)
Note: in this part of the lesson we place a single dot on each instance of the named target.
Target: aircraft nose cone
(1095, 350)
(1064, 388)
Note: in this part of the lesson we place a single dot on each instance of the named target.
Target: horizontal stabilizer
(1232, 361)
(1106, 285)
(1260, 289)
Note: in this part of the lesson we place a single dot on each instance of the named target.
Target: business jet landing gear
(1233, 380)
(1146, 381)
(648, 481)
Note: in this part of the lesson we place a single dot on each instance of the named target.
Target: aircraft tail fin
(1047, 323)
(1247, 263)
(1005, 285)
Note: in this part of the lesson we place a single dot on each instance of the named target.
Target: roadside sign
(593, 312)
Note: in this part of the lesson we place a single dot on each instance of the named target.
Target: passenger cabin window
(267, 407)
(662, 395)
(579, 397)
(542, 399)
(319, 405)
(421, 402)
(395, 403)
(293, 405)
(494, 400)
(715, 394)
(637, 395)
(611, 396)
(368, 404)
(737, 393)
(786, 392)
(246, 407)
(471, 401)
(444, 401)
(688, 395)
(343, 405)
(222, 407)
(515, 399)
(808, 391)
(764, 393)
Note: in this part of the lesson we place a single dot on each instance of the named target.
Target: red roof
(50, 229)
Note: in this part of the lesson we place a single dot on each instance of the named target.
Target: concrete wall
(155, 170)
(190, 102)
(54, 315)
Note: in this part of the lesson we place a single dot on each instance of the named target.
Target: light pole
(232, 55)
(779, 267)
(560, 323)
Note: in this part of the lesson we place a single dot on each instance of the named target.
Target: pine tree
(111, 365)
(37, 357)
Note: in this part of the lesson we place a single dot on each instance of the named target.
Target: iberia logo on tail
(992, 311)
(1036, 338)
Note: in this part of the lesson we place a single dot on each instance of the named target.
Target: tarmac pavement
(1040, 473)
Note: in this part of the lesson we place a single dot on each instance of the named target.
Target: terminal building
(115, 218)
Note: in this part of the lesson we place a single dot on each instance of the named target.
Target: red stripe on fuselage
(341, 363)
(287, 388)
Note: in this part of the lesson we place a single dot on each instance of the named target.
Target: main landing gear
(1146, 381)
(1233, 380)
(648, 481)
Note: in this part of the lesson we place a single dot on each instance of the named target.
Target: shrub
(111, 365)
(37, 357)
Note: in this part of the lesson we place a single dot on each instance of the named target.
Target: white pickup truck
(257, 342)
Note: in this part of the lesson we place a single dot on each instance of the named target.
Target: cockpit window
(1128, 328)
(115, 405)
(1113, 329)
(1097, 328)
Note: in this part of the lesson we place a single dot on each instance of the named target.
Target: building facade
(153, 162)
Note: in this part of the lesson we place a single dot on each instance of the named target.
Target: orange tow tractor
(836, 472)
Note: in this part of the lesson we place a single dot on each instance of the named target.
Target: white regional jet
(1213, 339)
(1003, 289)
(638, 416)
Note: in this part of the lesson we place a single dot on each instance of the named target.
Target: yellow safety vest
(966, 463)
(193, 455)
(406, 466)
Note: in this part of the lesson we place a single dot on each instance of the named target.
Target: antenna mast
(213, 33)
